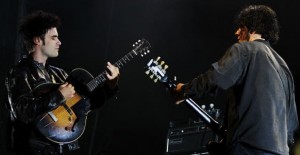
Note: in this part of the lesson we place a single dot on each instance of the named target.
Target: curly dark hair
(261, 19)
(36, 24)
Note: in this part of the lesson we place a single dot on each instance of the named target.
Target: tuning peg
(147, 72)
(157, 58)
(155, 80)
(138, 42)
(152, 76)
(148, 51)
(166, 67)
(211, 105)
(162, 62)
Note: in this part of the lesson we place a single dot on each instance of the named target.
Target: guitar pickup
(52, 116)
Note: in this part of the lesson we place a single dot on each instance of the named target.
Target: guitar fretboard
(98, 80)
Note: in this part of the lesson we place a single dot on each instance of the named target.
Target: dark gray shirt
(261, 110)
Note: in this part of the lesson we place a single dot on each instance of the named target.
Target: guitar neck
(101, 78)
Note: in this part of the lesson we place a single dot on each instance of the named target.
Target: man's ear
(37, 40)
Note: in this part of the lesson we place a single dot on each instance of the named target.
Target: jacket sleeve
(201, 86)
(222, 74)
(24, 104)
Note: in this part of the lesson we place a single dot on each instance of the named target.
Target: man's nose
(237, 32)
(59, 42)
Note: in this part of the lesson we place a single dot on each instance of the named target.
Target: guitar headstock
(156, 69)
(141, 47)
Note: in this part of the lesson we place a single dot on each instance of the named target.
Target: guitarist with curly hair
(261, 112)
(48, 106)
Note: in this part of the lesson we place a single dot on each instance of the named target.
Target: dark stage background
(188, 34)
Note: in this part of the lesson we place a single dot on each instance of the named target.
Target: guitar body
(62, 125)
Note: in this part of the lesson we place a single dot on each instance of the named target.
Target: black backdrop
(188, 34)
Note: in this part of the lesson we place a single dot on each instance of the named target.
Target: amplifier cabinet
(189, 139)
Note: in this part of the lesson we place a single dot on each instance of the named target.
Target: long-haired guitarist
(261, 112)
(37, 105)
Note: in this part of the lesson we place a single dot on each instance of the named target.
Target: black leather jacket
(25, 106)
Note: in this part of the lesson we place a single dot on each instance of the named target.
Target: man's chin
(54, 55)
